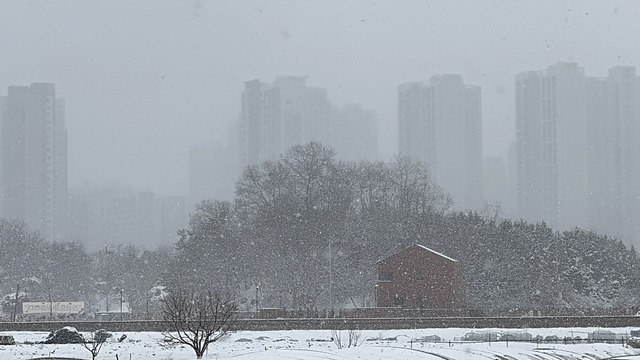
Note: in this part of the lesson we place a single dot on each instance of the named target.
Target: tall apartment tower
(274, 117)
(613, 133)
(551, 132)
(440, 124)
(33, 159)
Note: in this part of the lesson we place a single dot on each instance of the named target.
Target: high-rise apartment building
(114, 214)
(440, 124)
(304, 112)
(259, 124)
(613, 152)
(578, 149)
(551, 145)
(33, 159)
(274, 117)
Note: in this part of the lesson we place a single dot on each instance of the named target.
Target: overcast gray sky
(143, 80)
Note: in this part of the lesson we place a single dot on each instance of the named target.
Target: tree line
(307, 230)
(304, 232)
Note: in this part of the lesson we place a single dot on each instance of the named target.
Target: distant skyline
(145, 80)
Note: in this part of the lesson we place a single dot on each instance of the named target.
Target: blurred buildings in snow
(114, 214)
(274, 117)
(33, 159)
(440, 124)
(578, 149)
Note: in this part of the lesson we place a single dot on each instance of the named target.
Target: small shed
(420, 278)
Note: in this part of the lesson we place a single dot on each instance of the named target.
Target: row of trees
(305, 232)
(309, 229)
(38, 270)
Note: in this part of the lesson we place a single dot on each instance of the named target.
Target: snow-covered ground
(317, 344)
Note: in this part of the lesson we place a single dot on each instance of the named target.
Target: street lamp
(375, 295)
(257, 307)
(15, 304)
(121, 315)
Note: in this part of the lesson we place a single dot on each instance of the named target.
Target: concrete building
(274, 117)
(440, 124)
(551, 144)
(613, 153)
(420, 278)
(114, 214)
(259, 124)
(33, 159)
(304, 112)
(578, 149)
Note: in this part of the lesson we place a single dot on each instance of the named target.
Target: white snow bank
(317, 344)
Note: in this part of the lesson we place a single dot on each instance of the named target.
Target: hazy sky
(143, 80)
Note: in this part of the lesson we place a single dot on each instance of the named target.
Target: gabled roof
(422, 247)
(435, 252)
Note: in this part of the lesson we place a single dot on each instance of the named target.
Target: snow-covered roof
(423, 248)
(435, 252)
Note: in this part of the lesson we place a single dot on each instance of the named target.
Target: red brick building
(420, 278)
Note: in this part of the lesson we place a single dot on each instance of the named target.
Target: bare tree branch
(197, 319)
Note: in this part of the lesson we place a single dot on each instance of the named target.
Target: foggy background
(144, 80)
(164, 101)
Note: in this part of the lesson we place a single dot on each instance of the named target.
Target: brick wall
(419, 278)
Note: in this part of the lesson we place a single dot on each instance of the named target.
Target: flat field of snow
(317, 344)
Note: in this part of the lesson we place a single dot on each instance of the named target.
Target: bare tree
(95, 341)
(354, 338)
(197, 319)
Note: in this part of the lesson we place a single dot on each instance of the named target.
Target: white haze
(143, 80)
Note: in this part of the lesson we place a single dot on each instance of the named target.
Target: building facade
(440, 124)
(613, 153)
(113, 214)
(551, 145)
(578, 149)
(420, 278)
(274, 117)
(33, 159)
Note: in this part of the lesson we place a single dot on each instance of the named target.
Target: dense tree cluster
(520, 267)
(308, 230)
(305, 233)
(63, 271)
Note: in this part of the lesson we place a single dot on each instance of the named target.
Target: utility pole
(375, 296)
(330, 273)
(257, 307)
(121, 315)
(107, 276)
(15, 304)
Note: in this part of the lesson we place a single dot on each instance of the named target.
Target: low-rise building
(420, 278)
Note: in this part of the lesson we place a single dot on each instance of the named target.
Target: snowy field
(317, 344)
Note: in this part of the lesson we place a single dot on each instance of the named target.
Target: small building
(420, 278)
